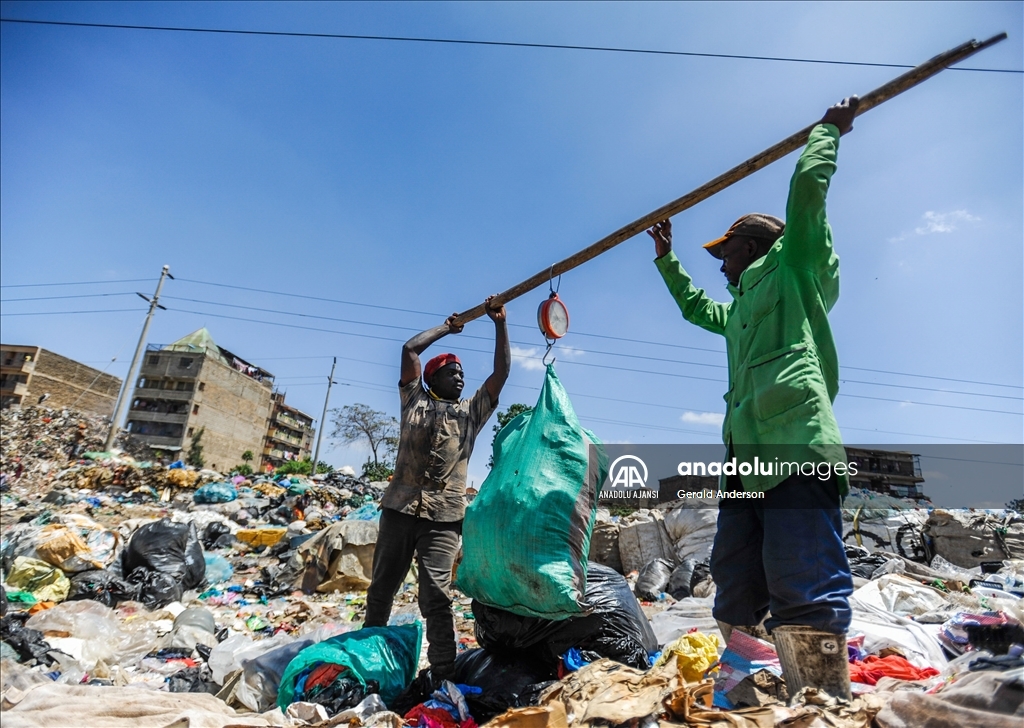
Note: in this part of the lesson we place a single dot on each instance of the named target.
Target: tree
(1017, 504)
(323, 468)
(513, 411)
(375, 472)
(295, 467)
(357, 422)
(247, 457)
(195, 450)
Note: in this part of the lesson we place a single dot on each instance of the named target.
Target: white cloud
(943, 222)
(528, 358)
(569, 352)
(938, 222)
(703, 418)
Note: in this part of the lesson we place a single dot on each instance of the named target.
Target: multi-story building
(195, 385)
(33, 375)
(891, 472)
(289, 435)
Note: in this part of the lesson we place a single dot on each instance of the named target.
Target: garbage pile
(137, 593)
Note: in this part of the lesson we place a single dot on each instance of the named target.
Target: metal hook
(551, 277)
(544, 359)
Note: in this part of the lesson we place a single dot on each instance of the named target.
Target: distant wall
(68, 381)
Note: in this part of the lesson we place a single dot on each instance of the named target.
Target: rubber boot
(812, 658)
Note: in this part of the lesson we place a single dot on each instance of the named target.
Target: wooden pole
(880, 95)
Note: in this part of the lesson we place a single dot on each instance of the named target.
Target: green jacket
(783, 367)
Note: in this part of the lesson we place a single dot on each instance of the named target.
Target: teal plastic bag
(526, 535)
(389, 655)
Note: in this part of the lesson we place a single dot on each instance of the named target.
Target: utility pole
(129, 379)
(323, 417)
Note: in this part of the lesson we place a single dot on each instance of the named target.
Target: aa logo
(625, 472)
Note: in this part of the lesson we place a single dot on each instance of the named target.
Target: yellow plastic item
(261, 536)
(694, 654)
(47, 583)
(183, 478)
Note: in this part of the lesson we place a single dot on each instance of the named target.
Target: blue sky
(425, 177)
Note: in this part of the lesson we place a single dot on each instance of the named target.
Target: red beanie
(436, 363)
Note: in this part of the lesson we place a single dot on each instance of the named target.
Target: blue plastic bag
(218, 569)
(216, 493)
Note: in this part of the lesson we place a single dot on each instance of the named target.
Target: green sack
(389, 655)
(526, 535)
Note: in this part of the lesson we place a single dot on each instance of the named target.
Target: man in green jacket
(781, 554)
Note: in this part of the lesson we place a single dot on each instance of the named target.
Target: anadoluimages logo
(625, 472)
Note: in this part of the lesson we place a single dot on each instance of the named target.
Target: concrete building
(29, 373)
(289, 435)
(890, 472)
(192, 385)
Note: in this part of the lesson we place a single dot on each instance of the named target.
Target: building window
(154, 360)
(191, 430)
(185, 386)
(195, 409)
(185, 362)
(202, 386)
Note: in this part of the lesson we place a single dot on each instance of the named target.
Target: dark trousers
(435, 546)
(783, 553)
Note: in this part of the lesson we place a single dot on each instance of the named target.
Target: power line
(589, 351)
(576, 363)
(460, 41)
(69, 313)
(57, 298)
(75, 283)
(575, 333)
(589, 364)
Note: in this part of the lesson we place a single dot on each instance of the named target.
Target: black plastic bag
(212, 534)
(685, 577)
(616, 628)
(3, 602)
(102, 586)
(506, 681)
(166, 559)
(28, 643)
(863, 563)
(653, 579)
(192, 680)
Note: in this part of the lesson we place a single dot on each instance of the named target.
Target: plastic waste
(260, 536)
(653, 579)
(694, 654)
(230, 654)
(616, 628)
(212, 534)
(387, 656)
(367, 512)
(29, 644)
(685, 577)
(166, 559)
(96, 632)
(505, 681)
(46, 583)
(261, 676)
(215, 493)
(526, 535)
(218, 569)
(102, 586)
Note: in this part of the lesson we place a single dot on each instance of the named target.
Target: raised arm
(502, 351)
(808, 237)
(415, 346)
(696, 306)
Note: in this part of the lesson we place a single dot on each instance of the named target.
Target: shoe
(812, 658)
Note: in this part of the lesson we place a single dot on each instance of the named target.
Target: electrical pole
(323, 417)
(129, 379)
